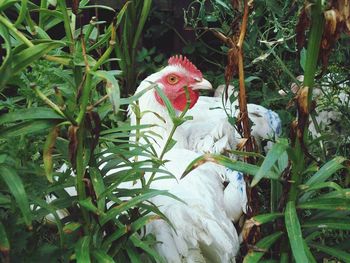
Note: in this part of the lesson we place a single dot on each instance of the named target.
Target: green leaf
(142, 20)
(327, 170)
(134, 255)
(102, 256)
(135, 97)
(337, 253)
(99, 187)
(294, 233)
(4, 242)
(302, 58)
(318, 186)
(5, 68)
(265, 218)
(112, 88)
(7, 3)
(144, 246)
(82, 250)
(272, 156)
(331, 223)
(112, 213)
(29, 114)
(337, 204)
(22, 12)
(264, 244)
(24, 58)
(28, 127)
(167, 102)
(87, 203)
(227, 162)
(14, 183)
(129, 229)
(308, 253)
(47, 153)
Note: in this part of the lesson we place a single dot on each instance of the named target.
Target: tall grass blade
(15, 185)
(294, 233)
(272, 156)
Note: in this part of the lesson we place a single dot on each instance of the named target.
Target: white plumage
(204, 229)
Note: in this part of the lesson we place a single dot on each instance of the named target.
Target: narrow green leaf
(99, 187)
(145, 247)
(4, 242)
(264, 244)
(331, 223)
(5, 68)
(102, 256)
(112, 88)
(272, 156)
(327, 170)
(4, 4)
(14, 183)
(311, 258)
(29, 114)
(24, 58)
(47, 152)
(82, 250)
(323, 174)
(318, 186)
(265, 218)
(337, 253)
(338, 204)
(227, 162)
(22, 12)
(115, 211)
(28, 127)
(133, 254)
(129, 229)
(135, 97)
(294, 233)
(87, 203)
(142, 20)
(167, 102)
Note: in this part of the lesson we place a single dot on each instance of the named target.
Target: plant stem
(313, 48)
(14, 30)
(42, 15)
(48, 101)
(66, 22)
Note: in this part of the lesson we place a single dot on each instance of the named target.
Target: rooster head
(180, 73)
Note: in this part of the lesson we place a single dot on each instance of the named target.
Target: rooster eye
(173, 79)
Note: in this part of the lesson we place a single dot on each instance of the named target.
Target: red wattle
(180, 102)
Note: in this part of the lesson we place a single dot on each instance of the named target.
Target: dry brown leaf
(303, 24)
(73, 144)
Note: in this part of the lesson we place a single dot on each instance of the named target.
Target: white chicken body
(203, 224)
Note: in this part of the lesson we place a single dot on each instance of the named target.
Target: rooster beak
(203, 84)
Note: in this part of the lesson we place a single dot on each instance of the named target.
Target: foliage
(307, 195)
(61, 114)
(61, 96)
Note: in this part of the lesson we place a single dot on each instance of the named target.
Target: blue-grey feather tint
(274, 122)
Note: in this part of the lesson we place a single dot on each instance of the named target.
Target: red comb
(186, 64)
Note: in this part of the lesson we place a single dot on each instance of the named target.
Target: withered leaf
(73, 144)
(303, 24)
(47, 152)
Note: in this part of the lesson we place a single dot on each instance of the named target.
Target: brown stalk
(252, 193)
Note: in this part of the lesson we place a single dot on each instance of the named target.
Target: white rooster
(210, 130)
(203, 225)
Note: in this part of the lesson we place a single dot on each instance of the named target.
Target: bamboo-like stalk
(305, 95)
